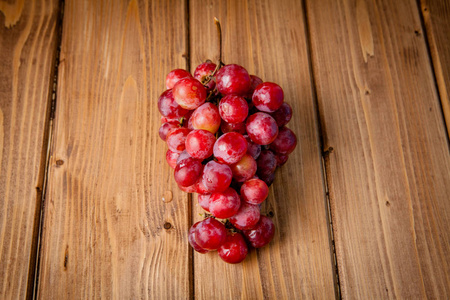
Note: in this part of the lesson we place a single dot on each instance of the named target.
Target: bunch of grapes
(226, 134)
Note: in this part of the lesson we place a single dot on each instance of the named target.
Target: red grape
(262, 233)
(255, 81)
(253, 149)
(168, 107)
(244, 169)
(234, 249)
(200, 187)
(246, 217)
(283, 115)
(254, 191)
(203, 201)
(191, 238)
(203, 71)
(233, 79)
(200, 143)
(189, 93)
(224, 204)
(188, 171)
(182, 156)
(262, 128)
(206, 117)
(171, 158)
(285, 142)
(176, 139)
(268, 97)
(166, 127)
(176, 75)
(230, 148)
(267, 162)
(230, 127)
(187, 189)
(210, 234)
(233, 109)
(216, 176)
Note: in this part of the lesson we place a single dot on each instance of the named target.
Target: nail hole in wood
(167, 225)
(388, 203)
(270, 214)
(59, 162)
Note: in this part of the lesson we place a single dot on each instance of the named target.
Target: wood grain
(104, 233)
(389, 171)
(268, 38)
(28, 36)
(436, 15)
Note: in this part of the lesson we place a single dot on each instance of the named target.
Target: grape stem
(220, 62)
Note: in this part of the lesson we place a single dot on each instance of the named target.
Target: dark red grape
(200, 143)
(206, 117)
(281, 159)
(168, 107)
(230, 148)
(268, 97)
(202, 73)
(166, 127)
(244, 169)
(174, 76)
(188, 171)
(189, 93)
(267, 178)
(233, 109)
(285, 142)
(267, 162)
(261, 128)
(230, 127)
(254, 191)
(224, 204)
(282, 115)
(253, 149)
(171, 158)
(216, 176)
(210, 234)
(262, 233)
(191, 238)
(203, 201)
(233, 79)
(234, 249)
(255, 81)
(246, 217)
(176, 139)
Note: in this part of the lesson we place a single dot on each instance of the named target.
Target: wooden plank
(28, 36)
(104, 232)
(436, 14)
(389, 172)
(269, 39)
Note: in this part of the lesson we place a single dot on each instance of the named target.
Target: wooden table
(362, 207)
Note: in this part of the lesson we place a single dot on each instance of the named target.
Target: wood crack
(33, 274)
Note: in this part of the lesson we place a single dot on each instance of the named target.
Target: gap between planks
(33, 271)
(433, 69)
(325, 155)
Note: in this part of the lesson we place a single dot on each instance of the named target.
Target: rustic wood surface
(436, 14)
(268, 38)
(104, 233)
(28, 35)
(389, 171)
(368, 83)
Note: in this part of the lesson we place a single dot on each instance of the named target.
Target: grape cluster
(226, 134)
